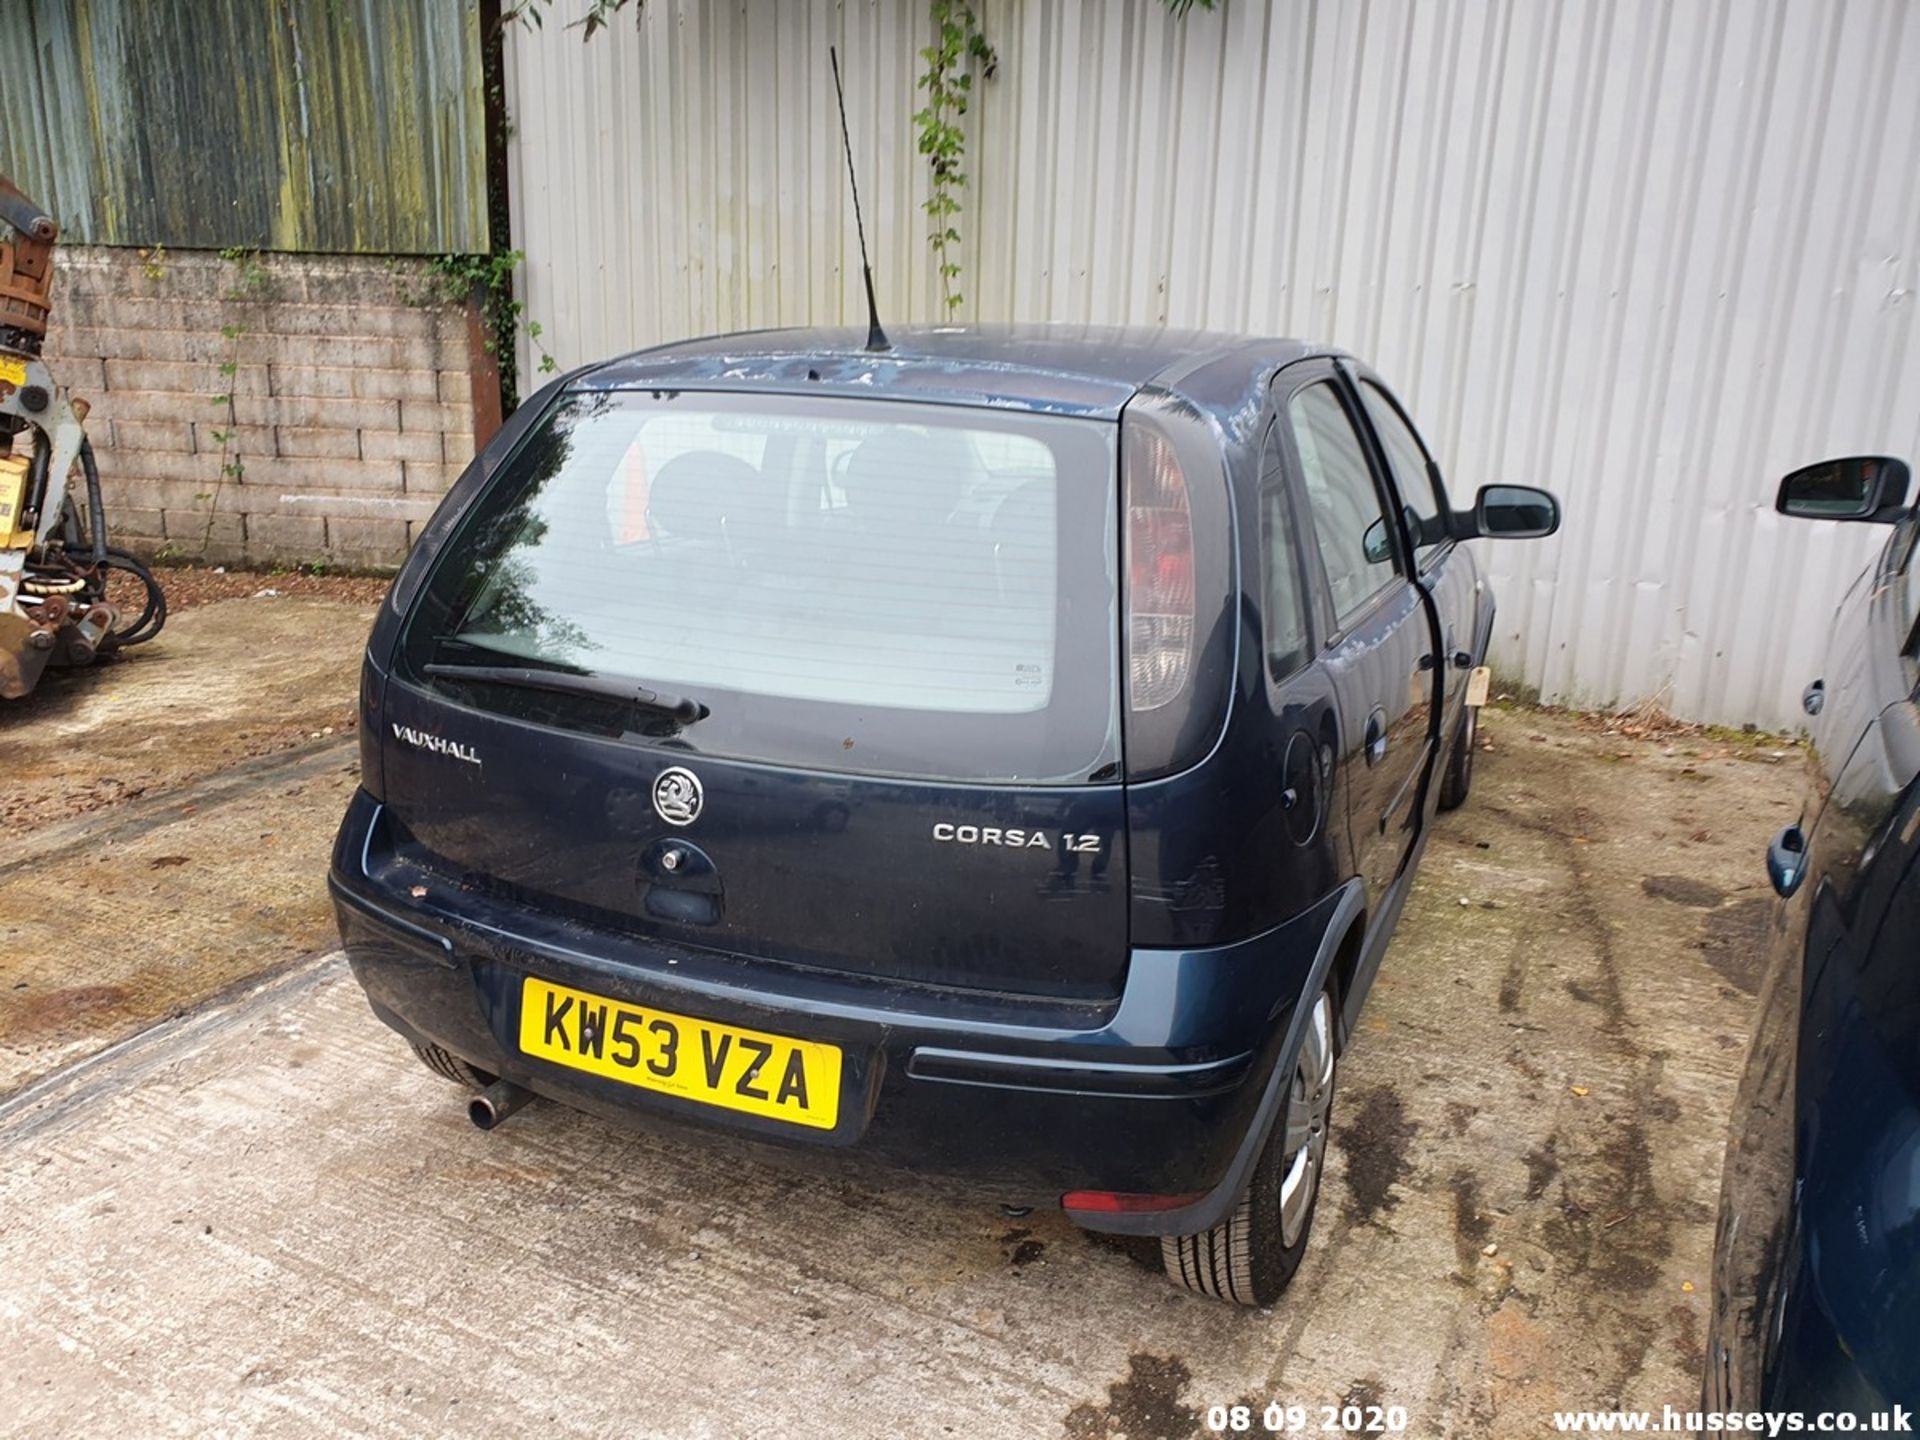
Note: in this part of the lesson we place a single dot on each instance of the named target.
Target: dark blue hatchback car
(1008, 751)
(1816, 1297)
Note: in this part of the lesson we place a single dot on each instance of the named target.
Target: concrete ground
(263, 1216)
(166, 819)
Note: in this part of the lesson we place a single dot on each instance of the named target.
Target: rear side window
(1286, 617)
(1407, 458)
(1349, 528)
(853, 585)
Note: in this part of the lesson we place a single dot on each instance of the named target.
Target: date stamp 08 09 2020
(1279, 1419)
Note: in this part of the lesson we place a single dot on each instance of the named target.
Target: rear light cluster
(1159, 559)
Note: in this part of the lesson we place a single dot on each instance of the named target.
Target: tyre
(449, 1066)
(1459, 777)
(1251, 1256)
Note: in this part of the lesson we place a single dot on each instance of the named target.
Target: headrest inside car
(694, 493)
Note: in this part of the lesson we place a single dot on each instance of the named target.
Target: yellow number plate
(13, 371)
(770, 1075)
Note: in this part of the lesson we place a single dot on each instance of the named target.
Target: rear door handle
(1787, 860)
(1376, 737)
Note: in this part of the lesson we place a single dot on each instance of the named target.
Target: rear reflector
(1112, 1202)
(1159, 543)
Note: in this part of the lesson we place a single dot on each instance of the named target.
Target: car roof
(1068, 369)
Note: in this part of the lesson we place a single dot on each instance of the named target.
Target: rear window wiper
(683, 708)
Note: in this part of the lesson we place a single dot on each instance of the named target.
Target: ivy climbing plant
(251, 281)
(958, 52)
(491, 278)
(599, 14)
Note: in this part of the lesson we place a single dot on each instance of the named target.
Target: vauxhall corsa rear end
(839, 748)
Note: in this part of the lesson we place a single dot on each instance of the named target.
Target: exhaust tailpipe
(495, 1103)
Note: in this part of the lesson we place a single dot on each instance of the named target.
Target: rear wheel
(1459, 777)
(449, 1066)
(1251, 1256)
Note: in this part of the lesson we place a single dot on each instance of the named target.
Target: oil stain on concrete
(1145, 1405)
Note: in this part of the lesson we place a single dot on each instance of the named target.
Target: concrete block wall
(352, 405)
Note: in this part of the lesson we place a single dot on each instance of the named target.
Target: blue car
(1816, 1299)
(1007, 751)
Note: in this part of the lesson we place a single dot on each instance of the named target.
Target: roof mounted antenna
(876, 337)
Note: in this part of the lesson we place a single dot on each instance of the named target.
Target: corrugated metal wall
(332, 125)
(1650, 254)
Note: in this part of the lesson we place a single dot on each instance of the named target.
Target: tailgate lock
(679, 882)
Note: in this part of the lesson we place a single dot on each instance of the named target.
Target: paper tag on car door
(1478, 683)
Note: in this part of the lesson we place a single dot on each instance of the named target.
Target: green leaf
(948, 83)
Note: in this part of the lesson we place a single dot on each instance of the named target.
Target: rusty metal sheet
(318, 125)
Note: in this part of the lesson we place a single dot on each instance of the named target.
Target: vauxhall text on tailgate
(1007, 751)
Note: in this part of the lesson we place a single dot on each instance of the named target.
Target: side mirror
(1860, 487)
(1509, 512)
(1378, 550)
(1373, 543)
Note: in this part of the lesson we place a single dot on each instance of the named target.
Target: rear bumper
(1021, 1098)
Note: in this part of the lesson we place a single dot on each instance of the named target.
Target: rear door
(1378, 646)
(901, 622)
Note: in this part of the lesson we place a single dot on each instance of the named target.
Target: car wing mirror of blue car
(1508, 512)
(1787, 860)
(1378, 549)
(1872, 488)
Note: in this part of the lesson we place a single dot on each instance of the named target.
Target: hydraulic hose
(37, 469)
(96, 507)
(153, 611)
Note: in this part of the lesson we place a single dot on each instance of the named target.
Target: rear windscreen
(856, 585)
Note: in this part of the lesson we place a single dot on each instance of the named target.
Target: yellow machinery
(66, 596)
(13, 503)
